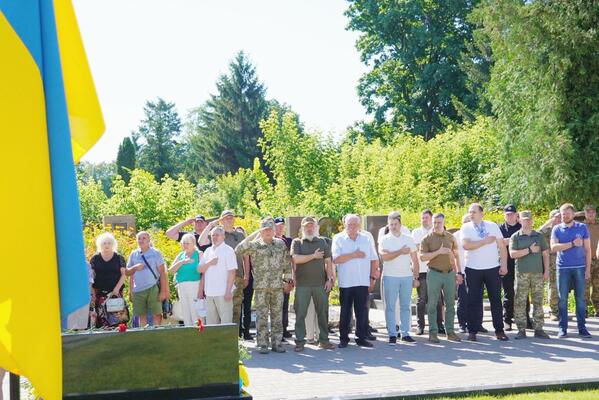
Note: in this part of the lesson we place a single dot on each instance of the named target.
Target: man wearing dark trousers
(356, 274)
(486, 262)
(508, 228)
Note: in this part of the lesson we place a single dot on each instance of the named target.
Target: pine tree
(125, 159)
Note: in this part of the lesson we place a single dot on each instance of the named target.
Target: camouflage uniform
(593, 283)
(553, 294)
(233, 239)
(271, 264)
(529, 278)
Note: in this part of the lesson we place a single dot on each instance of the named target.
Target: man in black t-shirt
(199, 223)
(508, 228)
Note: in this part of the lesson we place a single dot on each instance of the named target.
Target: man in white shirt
(219, 278)
(426, 227)
(486, 263)
(400, 275)
(356, 273)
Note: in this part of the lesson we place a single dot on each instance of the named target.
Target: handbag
(114, 304)
(115, 316)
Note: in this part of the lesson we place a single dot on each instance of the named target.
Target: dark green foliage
(156, 139)
(125, 159)
(414, 49)
(223, 132)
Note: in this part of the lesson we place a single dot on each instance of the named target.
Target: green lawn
(553, 395)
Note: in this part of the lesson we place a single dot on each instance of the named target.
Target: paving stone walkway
(423, 367)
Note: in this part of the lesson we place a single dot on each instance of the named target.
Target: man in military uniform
(590, 219)
(531, 252)
(271, 269)
(555, 218)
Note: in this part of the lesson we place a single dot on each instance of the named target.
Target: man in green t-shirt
(313, 281)
(531, 252)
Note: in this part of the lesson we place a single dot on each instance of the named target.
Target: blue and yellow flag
(49, 117)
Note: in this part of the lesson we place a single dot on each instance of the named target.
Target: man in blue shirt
(570, 240)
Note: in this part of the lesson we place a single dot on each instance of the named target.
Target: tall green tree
(414, 49)
(125, 159)
(223, 132)
(156, 139)
(544, 89)
(102, 173)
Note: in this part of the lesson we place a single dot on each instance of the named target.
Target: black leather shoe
(342, 345)
(442, 330)
(501, 336)
(372, 330)
(420, 330)
(482, 329)
(370, 336)
(472, 337)
(287, 335)
(363, 343)
(508, 326)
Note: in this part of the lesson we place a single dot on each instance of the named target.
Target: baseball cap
(279, 220)
(525, 214)
(509, 208)
(200, 217)
(266, 224)
(308, 220)
(226, 213)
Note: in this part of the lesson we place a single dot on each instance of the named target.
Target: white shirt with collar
(487, 256)
(215, 277)
(418, 234)
(355, 272)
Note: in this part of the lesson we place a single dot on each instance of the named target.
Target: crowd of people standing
(221, 274)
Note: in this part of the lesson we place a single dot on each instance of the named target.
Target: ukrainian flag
(49, 117)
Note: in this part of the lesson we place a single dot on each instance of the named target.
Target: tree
(156, 139)
(544, 89)
(414, 49)
(102, 172)
(125, 159)
(223, 132)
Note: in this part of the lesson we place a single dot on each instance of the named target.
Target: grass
(590, 394)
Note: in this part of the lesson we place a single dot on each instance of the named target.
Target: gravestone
(120, 222)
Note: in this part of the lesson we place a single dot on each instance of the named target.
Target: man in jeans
(590, 219)
(313, 281)
(439, 248)
(570, 240)
(400, 275)
(531, 252)
(486, 263)
(426, 227)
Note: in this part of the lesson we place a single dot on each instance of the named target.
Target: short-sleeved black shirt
(107, 273)
(507, 231)
(201, 248)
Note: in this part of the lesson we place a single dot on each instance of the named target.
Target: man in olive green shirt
(439, 248)
(531, 252)
(313, 280)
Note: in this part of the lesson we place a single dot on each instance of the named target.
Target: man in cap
(199, 224)
(530, 250)
(279, 234)
(271, 269)
(314, 279)
(232, 239)
(508, 228)
(555, 218)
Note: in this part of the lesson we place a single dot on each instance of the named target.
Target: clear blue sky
(176, 49)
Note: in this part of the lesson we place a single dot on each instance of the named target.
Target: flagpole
(15, 387)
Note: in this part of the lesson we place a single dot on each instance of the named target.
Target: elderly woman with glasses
(108, 267)
(187, 276)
